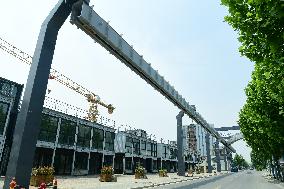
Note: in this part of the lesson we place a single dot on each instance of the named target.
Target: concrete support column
(88, 164)
(123, 164)
(103, 158)
(132, 158)
(73, 162)
(56, 141)
(104, 144)
(113, 161)
(217, 152)
(207, 141)
(75, 149)
(180, 154)
(225, 159)
(229, 161)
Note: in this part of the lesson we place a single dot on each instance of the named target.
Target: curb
(175, 182)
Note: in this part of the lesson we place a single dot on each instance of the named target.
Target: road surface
(241, 180)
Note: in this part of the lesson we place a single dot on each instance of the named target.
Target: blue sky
(186, 40)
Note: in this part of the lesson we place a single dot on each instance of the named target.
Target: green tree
(262, 117)
(240, 162)
(260, 25)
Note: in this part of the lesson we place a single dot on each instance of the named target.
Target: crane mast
(91, 97)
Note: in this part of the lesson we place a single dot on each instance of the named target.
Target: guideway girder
(29, 119)
(100, 30)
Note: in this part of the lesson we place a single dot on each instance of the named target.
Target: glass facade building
(10, 94)
(76, 145)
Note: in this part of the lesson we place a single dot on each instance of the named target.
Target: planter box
(163, 175)
(140, 176)
(106, 177)
(37, 180)
(190, 173)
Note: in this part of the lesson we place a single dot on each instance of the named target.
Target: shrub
(107, 170)
(163, 173)
(43, 171)
(140, 170)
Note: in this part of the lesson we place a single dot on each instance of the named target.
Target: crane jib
(59, 77)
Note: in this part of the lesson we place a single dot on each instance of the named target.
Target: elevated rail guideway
(29, 118)
(233, 138)
(99, 30)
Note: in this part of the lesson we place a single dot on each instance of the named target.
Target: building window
(128, 163)
(48, 128)
(136, 146)
(154, 149)
(42, 157)
(67, 132)
(98, 139)
(149, 148)
(81, 161)
(165, 152)
(173, 152)
(143, 145)
(5, 88)
(4, 107)
(155, 165)
(128, 144)
(109, 141)
(84, 136)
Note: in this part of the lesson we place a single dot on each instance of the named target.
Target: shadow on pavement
(204, 182)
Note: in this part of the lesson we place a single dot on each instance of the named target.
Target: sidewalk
(267, 176)
(123, 181)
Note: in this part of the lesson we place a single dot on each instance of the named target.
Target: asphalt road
(240, 180)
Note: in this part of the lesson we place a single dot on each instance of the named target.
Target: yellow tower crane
(91, 97)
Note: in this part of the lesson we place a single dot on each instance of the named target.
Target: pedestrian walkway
(123, 181)
(267, 176)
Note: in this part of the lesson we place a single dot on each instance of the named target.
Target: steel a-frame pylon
(29, 119)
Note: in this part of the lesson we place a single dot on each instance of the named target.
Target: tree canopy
(260, 27)
(240, 162)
